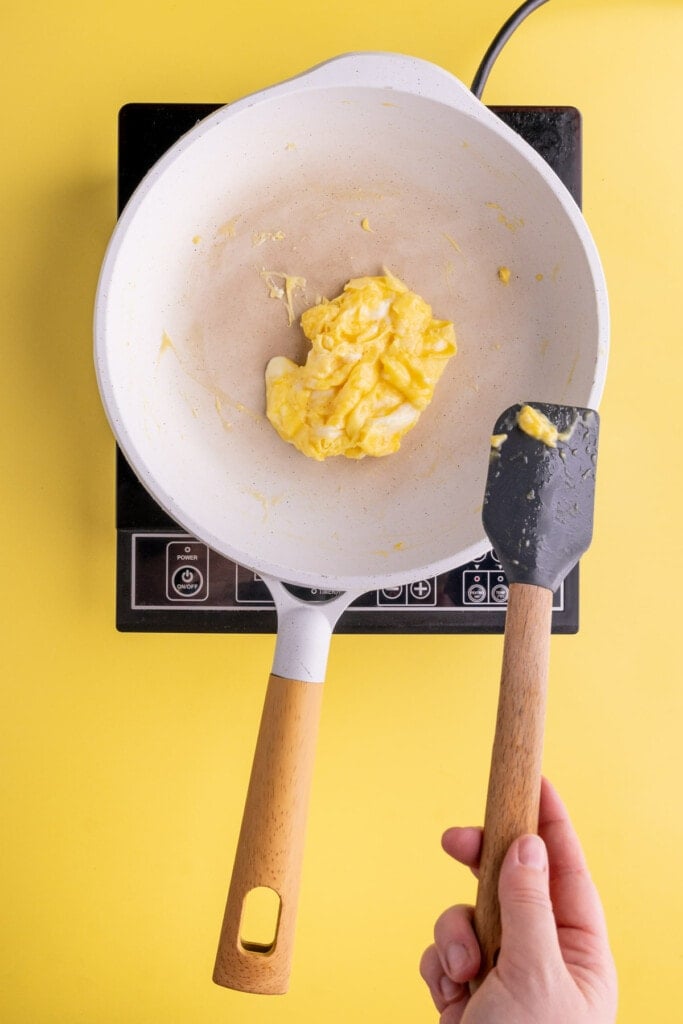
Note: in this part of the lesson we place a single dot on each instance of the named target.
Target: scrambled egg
(376, 356)
(534, 423)
(285, 291)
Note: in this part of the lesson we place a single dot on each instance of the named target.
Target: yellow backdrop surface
(124, 758)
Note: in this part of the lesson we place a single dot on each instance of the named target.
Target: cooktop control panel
(170, 581)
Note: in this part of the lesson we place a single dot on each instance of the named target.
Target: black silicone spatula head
(538, 506)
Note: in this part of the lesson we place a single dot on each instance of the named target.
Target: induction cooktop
(168, 581)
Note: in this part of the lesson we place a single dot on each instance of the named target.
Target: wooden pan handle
(515, 779)
(271, 841)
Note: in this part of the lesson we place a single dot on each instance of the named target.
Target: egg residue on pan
(376, 356)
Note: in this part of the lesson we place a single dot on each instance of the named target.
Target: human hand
(555, 964)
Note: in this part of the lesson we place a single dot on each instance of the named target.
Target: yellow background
(125, 757)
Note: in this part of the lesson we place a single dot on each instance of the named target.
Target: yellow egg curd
(534, 423)
(376, 356)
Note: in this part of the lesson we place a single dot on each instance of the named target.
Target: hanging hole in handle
(260, 920)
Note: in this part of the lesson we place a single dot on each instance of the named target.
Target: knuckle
(429, 964)
(529, 896)
(455, 924)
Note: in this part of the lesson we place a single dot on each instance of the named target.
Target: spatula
(538, 514)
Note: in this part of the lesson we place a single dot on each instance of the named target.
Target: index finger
(464, 844)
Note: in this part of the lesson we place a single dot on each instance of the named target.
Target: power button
(187, 582)
(187, 571)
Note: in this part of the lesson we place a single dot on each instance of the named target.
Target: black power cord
(489, 58)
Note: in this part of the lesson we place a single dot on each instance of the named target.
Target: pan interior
(324, 185)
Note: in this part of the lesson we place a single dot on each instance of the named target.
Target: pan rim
(336, 71)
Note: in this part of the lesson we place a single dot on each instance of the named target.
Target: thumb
(529, 934)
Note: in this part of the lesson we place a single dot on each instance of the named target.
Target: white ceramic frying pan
(288, 182)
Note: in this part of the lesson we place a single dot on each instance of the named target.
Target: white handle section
(385, 70)
(304, 631)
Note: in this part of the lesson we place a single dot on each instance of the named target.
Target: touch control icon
(476, 593)
(421, 592)
(187, 581)
(187, 571)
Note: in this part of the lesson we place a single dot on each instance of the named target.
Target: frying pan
(369, 160)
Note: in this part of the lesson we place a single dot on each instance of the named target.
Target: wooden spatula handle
(270, 846)
(515, 777)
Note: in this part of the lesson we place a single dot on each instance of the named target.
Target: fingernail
(449, 989)
(531, 852)
(457, 958)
